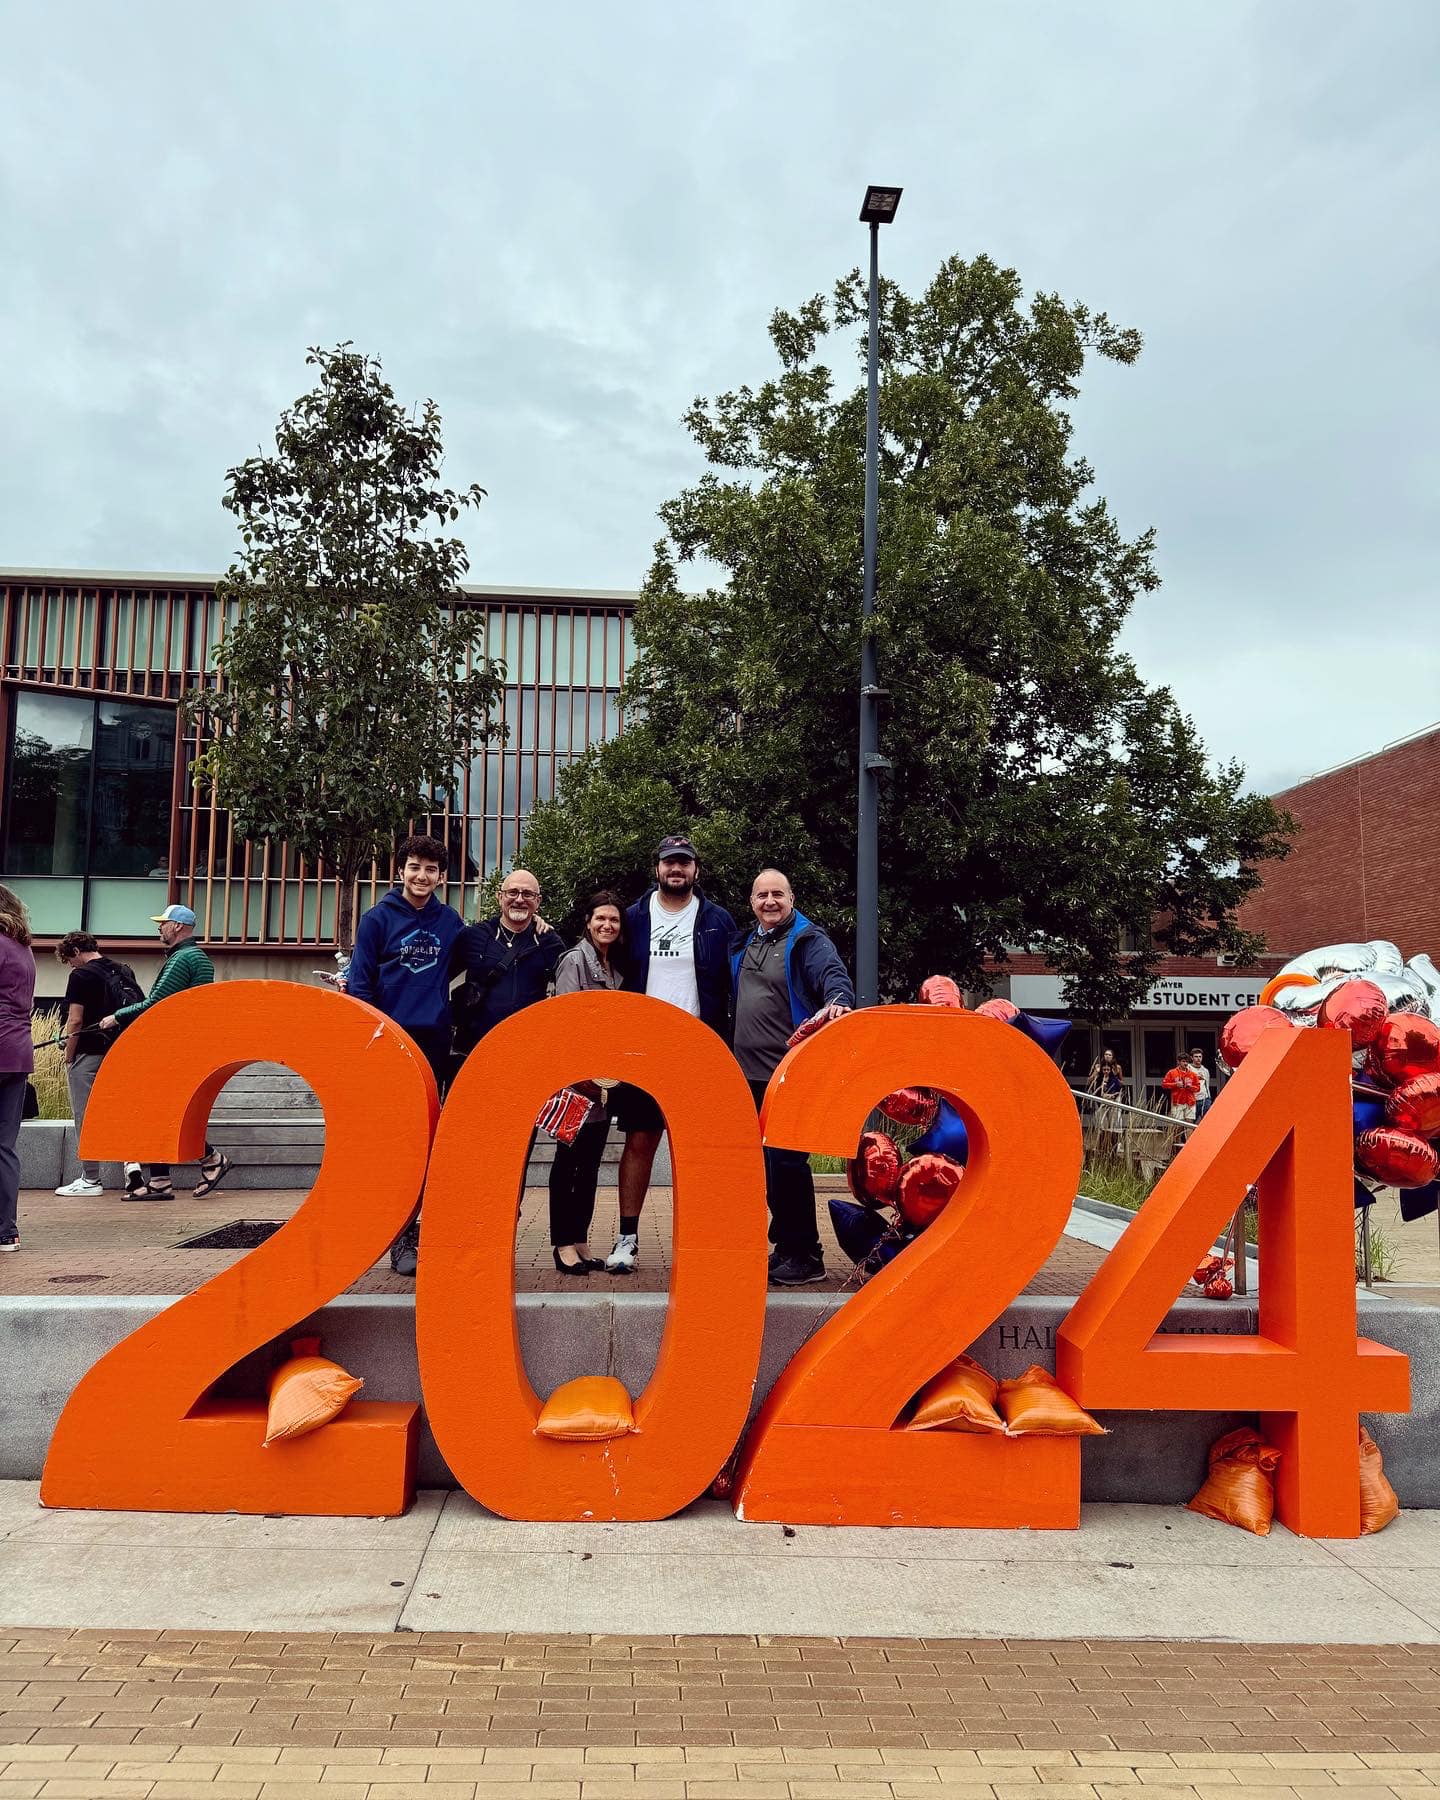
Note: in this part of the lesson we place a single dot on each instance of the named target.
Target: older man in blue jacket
(784, 971)
(676, 949)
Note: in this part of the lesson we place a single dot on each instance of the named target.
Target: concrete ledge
(47, 1344)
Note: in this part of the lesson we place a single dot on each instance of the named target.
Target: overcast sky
(565, 221)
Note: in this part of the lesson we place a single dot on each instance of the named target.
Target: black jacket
(492, 990)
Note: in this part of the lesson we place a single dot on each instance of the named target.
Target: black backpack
(121, 987)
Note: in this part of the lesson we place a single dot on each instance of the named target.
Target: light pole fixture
(881, 204)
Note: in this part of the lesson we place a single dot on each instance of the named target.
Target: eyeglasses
(509, 893)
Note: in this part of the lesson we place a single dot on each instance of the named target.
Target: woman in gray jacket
(591, 965)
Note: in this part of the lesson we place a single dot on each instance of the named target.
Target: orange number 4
(141, 1430)
(1284, 1117)
(826, 1448)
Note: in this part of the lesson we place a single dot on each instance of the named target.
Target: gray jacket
(580, 971)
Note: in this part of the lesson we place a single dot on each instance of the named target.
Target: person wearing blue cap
(185, 966)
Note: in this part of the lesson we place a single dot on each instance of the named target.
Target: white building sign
(1221, 993)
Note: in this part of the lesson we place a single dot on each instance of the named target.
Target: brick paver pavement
(236, 1716)
(109, 1246)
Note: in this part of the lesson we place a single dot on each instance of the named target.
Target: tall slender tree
(348, 685)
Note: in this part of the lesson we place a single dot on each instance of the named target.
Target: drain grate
(239, 1234)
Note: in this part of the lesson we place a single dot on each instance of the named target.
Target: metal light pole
(878, 210)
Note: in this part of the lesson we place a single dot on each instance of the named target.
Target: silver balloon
(1379, 955)
(1429, 977)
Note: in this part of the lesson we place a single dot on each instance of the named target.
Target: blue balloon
(1047, 1033)
(1363, 1196)
(1416, 1202)
(1369, 1115)
(946, 1137)
(857, 1228)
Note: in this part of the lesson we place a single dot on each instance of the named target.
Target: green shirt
(185, 966)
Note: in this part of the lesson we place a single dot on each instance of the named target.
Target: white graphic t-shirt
(672, 955)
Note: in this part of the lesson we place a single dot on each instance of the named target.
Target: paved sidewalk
(112, 1247)
(115, 1715)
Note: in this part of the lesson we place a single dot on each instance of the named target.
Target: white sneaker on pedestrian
(80, 1189)
(626, 1254)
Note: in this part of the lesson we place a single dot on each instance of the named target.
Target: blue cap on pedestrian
(176, 915)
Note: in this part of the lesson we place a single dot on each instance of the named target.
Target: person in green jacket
(185, 966)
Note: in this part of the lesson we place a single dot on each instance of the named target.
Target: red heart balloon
(1004, 1010)
(1415, 1105)
(940, 990)
(1405, 1046)
(1240, 1030)
(874, 1174)
(1357, 1007)
(1397, 1158)
(911, 1106)
(926, 1184)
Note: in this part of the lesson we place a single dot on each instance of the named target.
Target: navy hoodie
(402, 962)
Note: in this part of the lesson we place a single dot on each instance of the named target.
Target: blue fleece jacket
(814, 973)
(713, 930)
(401, 962)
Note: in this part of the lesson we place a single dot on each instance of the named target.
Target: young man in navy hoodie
(401, 964)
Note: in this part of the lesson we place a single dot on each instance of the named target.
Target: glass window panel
(597, 649)
(512, 712)
(134, 758)
(508, 788)
(599, 715)
(49, 782)
(512, 645)
(526, 739)
(489, 800)
(127, 908)
(545, 720)
(544, 779)
(155, 629)
(628, 633)
(562, 720)
(547, 648)
(579, 723)
(527, 783)
(563, 626)
(53, 904)
(529, 654)
(612, 649)
(492, 845)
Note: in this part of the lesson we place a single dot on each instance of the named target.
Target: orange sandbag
(960, 1398)
(1035, 1405)
(307, 1392)
(588, 1409)
(1379, 1502)
(1238, 1490)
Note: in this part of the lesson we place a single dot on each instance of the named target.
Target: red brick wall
(1367, 861)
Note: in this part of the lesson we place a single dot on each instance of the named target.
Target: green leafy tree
(348, 685)
(1042, 795)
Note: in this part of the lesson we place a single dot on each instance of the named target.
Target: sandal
(213, 1170)
(150, 1190)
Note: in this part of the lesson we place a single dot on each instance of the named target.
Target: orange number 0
(140, 1430)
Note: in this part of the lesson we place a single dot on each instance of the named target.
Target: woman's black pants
(574, 1175)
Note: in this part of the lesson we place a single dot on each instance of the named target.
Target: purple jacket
(17, 995)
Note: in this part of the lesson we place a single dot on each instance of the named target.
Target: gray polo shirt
(763, 1024)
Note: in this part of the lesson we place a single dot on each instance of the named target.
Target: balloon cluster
(898, 1193)
(1391, 1008)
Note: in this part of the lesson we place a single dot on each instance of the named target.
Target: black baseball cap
(676, 846)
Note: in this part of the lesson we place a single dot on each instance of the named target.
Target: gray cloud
(564, 223)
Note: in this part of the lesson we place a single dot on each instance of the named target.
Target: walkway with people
(108, 1247)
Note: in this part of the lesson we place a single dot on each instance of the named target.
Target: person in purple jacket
(17, 1053)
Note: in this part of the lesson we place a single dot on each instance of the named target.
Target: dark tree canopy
(349, 686)
(1042, 795)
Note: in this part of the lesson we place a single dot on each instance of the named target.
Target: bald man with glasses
(508, 961)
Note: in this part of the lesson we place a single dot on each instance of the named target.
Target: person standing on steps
(785, 971)
(593, 965)
(679, 951)
(98, 985)
(17, 1054)
(402, 965)
(185, 966)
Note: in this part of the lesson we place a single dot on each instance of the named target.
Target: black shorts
(634, 1110)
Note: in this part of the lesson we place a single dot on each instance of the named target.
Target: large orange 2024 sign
(143, 1429)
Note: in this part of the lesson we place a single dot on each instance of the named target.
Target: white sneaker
(80, 1189)
(623, 1258)
(8, 1245)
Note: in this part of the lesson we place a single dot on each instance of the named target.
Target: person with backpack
(508, 960)
(185, 966)
(98, 986)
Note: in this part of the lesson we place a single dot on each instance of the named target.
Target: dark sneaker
(796, 1271)
(775, 1260)
(405, 1251)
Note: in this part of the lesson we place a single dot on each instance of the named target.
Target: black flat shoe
(583, 1267)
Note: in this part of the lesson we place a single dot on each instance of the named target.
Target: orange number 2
(480, 1403)
(1284, 1116)
(824, 1449)
(140, 1430)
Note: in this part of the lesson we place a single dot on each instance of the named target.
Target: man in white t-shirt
(677, 950)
